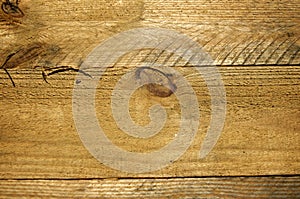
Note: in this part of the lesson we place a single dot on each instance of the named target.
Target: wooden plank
(37, 118)
(256, 47)
(240, 187)
(234, 32)
(240, 33)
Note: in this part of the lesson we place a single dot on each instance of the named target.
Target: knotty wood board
(251, 143)
(255, 45)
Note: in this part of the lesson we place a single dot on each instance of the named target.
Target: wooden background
(255, 45)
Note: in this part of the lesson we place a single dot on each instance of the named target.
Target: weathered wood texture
(260, 134)
(244, 32)
(239, 187)
(255, 45)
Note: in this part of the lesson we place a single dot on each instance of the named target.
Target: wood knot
(12, 9)
(163, 86)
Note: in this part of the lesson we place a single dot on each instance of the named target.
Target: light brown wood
(260, 134)
(239, 33)
(255, 45)
(240, 187)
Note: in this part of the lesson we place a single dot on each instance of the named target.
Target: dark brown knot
(163, 88)
(12, 9)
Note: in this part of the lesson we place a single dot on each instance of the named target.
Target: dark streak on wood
(36, 55)
(12, 9)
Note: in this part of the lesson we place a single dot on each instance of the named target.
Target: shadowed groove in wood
(228, 47)
(259, 187)
(264, 48)
(236, 45)
(269, 50)
(253, 46)
(252, 53)
(274, 54)
(217, 42)
(256, 51)
(294, 55)
(286, 51)
(179, 58)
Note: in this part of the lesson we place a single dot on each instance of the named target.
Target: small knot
(163, 88)
(12, 9)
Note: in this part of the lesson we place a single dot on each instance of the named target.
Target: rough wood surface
(251, 143)
(239, 187)
(255, 45)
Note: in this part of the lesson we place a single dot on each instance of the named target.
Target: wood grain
(255, 46)
(240, 187)
(251, 143)
(241, 33)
